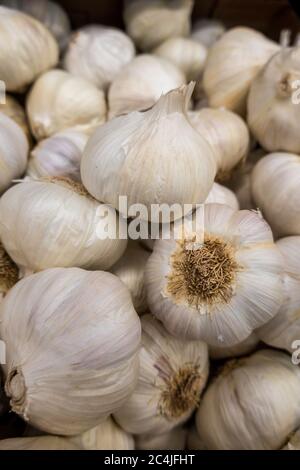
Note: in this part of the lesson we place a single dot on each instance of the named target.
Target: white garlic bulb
(227, 133)
(172, 376)
(207, 31)
(27, 49)
(37, 443)
(51, 14)
(188, 55)
(294, 441)
(171, 440)
(232, 64)
(9, 272)
(140, 156)
(54, 222)
(254, 403)
(220, 280)
(240, 349)
(283, 331)
(275, 186)
(221, 195)
(141, 84)
(149, 22)
(72, 339)
(240, 181)
(273, 116)
(105, 436)
(59, 100)
(15, 111)
(98, 54)
(13, 152)
(59, 155)
(130, 269)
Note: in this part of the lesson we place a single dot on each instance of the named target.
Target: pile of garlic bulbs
(120, 329)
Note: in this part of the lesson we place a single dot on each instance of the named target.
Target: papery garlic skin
(106, 436)
(34, 49)
(12, 109)
(172, 440)
(232, 64)
(283, 331)
(172, 376)
(221, 290)
(59, 225)
(13, 152)
(72, 339)
(51, 14)
(130, 269)
(240, 349)
(221, 195)
(240, 181)
(149, 22)
(140, 156)
(188, 55)
(207, 31)
(273, 113)
(98, 54)
(227, 133)
(59, 155)
(59, 100)
(37, 443)
(275, 187)
(252, 405)
(141, 83)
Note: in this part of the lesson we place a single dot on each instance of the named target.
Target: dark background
(268, 16)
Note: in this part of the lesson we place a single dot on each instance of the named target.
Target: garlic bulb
(253, 404)
(51, 14)
(283, 331)
(172, 376)
(232, 64)
(294, 441)
(72, 340)
(54, 222)
(188, 55)
(140, 156)
(9, 272)
(171, 440)
(227, 133)
(34, 49)
(106, 436)
(240, 181)
(240, 349)
(273, 116)
(98, 54)
(13, 151)
(207, 31)
(141, 84)
(15, 111)
(275, 185)
(130, 269)
(37, 443)
(149, 22)
(59, 155)
(59, 100)
(221, 195)
(220, 280)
